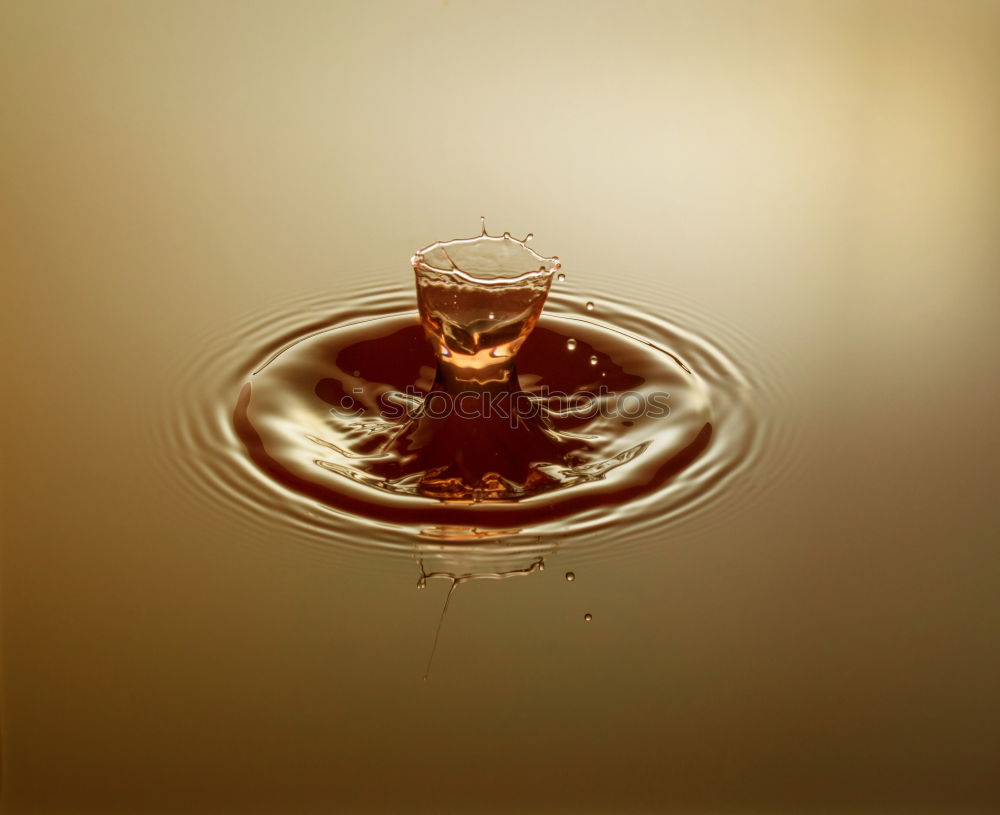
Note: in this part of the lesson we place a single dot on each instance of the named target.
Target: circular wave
(203, 458)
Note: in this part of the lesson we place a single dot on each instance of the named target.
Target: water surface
(809, 189)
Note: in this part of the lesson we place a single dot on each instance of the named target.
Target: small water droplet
(590, 306)
(560, 277)
(571, 344)
(570, 577)
(493, 316)
(593, 359)
(588, 616)
(357, 373)
(422, 582)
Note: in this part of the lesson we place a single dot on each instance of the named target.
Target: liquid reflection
(451, 557)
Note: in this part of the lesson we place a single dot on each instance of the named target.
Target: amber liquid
(477, 329)
(480, 437)
(479, 468)
(478, 415)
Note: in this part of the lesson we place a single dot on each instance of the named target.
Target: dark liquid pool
(533, 458)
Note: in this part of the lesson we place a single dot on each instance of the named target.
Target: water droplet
(588, 616)
(493, 316)
(422, 582)
(560, 277)
(570, 577)
(357, 373)
(590, 306)
(593, 359)
(571, 344)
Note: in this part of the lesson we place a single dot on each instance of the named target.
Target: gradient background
(822, 176)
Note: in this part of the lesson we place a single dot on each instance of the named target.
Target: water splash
(205, 464)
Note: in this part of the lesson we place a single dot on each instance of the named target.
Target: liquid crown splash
(479, 299)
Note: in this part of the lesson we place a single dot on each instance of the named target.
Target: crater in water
(336, 417)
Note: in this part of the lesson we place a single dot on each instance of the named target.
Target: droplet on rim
(571, 344)
(593, 359)
(590, 306)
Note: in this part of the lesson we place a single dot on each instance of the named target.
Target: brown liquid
(443, 422)
(478, 436)
(296, 486)
(389, 470)
(479, 299)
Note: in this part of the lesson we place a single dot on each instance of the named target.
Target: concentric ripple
(206, 458)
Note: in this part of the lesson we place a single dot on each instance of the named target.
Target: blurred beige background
(823, 177)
